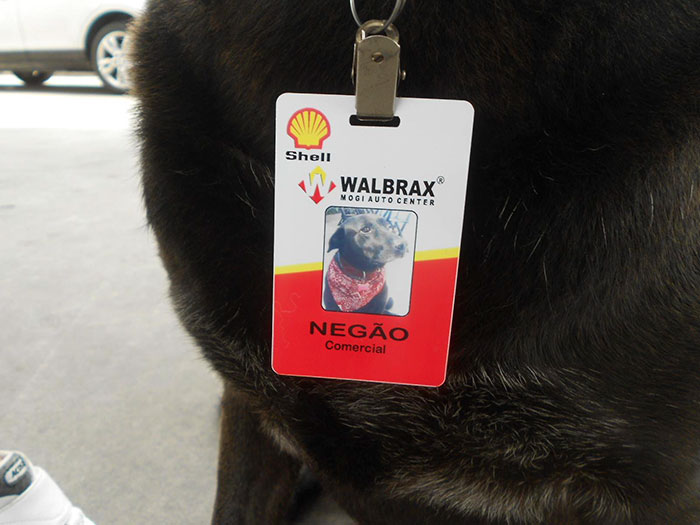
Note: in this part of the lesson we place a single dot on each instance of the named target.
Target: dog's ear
(337, 239)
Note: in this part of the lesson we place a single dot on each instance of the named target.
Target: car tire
(108, 56)
(33, 78)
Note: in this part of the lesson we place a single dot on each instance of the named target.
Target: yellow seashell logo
(309, 128)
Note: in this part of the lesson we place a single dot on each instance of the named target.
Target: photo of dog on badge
(368, 261)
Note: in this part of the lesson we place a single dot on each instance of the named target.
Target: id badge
(368, 223)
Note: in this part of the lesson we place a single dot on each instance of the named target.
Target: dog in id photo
(368, 251)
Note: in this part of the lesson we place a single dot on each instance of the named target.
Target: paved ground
(99, 383)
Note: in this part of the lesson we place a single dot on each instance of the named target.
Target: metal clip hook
(398, 7)
(376, 71)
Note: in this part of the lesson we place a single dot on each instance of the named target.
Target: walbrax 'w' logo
(309, 128)
(317, 185)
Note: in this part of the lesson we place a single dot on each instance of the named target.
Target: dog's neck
(351, 271)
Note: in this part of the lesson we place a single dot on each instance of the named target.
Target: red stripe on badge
(310, 341)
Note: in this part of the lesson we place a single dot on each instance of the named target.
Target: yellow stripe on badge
(425, 255)
(430, 255)
(299, 268)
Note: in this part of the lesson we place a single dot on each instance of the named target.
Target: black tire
(108, 43)
(33, 78)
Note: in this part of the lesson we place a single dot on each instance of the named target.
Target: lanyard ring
(398, 7)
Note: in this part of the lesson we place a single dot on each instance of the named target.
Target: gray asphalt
(99, 384)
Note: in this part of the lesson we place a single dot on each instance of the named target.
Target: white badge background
(433, 140)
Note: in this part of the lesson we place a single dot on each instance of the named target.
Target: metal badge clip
(376, 70)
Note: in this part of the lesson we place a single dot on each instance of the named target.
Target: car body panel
(52, 35)
(10, 35)
(63, 25)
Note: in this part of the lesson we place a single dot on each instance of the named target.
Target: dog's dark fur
(573, 386)
(367, 252)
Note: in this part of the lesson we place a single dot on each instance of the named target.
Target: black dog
(355, 277)
(573, 386)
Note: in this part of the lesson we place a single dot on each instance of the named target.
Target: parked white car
(38, 37)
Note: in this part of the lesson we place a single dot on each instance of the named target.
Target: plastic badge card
(368, 222)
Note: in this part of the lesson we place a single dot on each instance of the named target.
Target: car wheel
(33, 78)
(109, 58)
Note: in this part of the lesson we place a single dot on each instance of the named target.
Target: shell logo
(309, 128)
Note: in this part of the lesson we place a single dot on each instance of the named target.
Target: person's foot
(28, 495)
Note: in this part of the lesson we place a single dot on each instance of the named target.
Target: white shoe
(28, 495)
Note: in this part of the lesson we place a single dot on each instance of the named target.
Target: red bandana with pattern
(352, 293)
